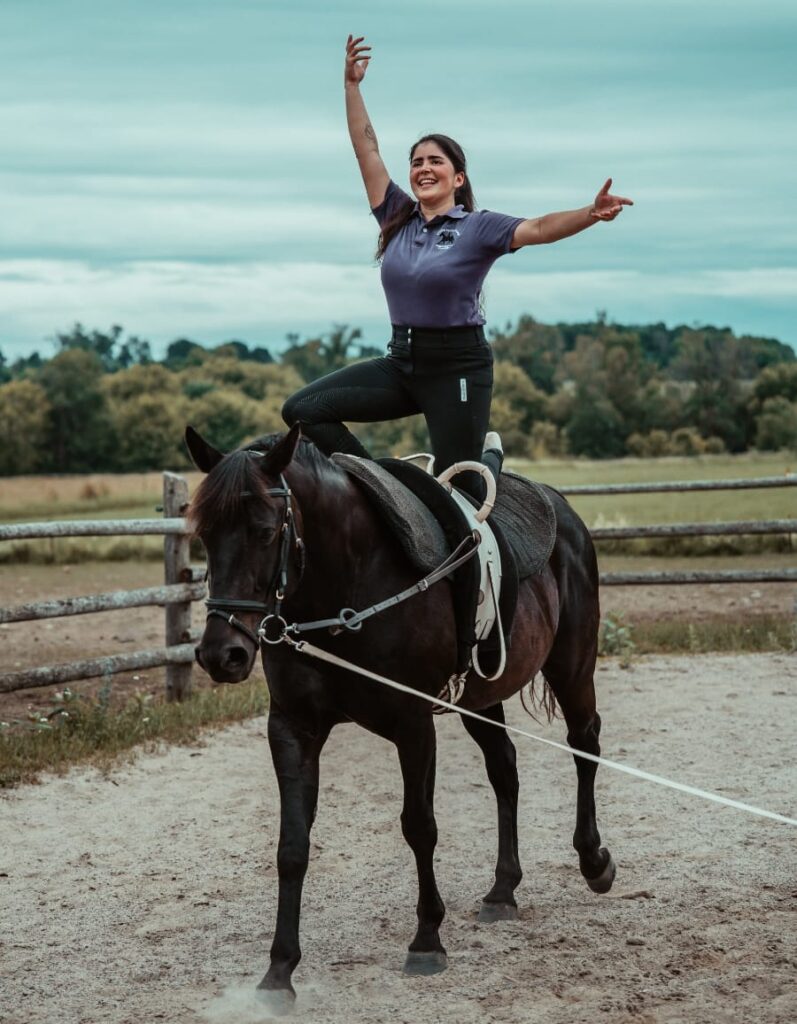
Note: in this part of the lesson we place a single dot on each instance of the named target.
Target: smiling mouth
(425, 182)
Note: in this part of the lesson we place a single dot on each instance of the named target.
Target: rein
(347, 618)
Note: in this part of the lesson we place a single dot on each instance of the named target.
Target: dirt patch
(150, 895)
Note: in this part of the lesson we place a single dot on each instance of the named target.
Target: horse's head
(244, 516)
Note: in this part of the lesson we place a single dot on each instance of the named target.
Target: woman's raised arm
(555, 226)
(363, 136)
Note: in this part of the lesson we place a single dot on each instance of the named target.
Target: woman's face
(433, 179)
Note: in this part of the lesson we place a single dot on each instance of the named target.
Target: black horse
(282, 523)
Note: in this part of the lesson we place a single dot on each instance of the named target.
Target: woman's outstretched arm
(554, 226)
(363, 136)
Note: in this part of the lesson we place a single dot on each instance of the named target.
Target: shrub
(776, 426)
(651, 445)
(546, 441)
(687, 441)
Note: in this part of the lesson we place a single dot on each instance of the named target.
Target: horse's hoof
(605, 879)
(418, 964)
(278, 1001)
(490, 912)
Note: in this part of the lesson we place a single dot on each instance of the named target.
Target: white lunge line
(316, 652)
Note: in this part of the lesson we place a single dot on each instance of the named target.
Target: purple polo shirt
(433, 271)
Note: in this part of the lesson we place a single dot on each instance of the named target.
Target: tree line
(595, 389)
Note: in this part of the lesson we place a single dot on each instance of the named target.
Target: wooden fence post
(176, 552)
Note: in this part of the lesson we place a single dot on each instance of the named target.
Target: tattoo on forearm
(370, 134)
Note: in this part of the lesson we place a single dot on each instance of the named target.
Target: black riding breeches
(446, 375)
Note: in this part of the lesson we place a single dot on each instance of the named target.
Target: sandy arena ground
(150, 895)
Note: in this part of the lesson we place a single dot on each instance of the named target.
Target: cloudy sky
(182, 167)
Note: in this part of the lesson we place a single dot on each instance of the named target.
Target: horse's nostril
(237, 656)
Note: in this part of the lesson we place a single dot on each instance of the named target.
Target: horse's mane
(221, 496)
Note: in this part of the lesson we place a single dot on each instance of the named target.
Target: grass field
(703, 506)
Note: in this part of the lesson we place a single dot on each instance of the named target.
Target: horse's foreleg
(295, 755)
(416, 750)
(576, 697)
(501, 763)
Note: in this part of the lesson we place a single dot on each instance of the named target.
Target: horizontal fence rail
(730, 529)
(699, 576)
(93, 528)
(92, 668)
(788, 480)
(175, 593)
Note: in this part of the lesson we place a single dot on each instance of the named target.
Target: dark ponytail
(462, 196)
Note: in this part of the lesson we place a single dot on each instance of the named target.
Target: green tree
(776, 424)
(517, 405)
(256, 380)
(144, 379)
(80, 436)
(24, 412)
(593, 425)
(710, 360)
(182, 352)
(226, 417)
(112, 351)
(774, 382)
(595, 428)
(314, 358)
(536, 348)
(240, 350)
(149, 429)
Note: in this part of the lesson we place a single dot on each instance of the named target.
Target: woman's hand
(606, 207)
(357, 58)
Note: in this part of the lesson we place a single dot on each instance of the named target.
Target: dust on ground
(150, 894)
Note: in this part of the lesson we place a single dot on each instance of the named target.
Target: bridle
(226, 607)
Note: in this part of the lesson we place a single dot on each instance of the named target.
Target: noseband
(225, 608)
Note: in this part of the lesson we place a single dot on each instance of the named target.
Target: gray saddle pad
(523, 512)
(526, 516)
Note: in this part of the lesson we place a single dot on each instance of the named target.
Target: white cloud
(260, 302)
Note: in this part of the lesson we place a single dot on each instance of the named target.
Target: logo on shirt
(446, 238)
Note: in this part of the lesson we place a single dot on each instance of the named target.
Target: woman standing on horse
(435, 252)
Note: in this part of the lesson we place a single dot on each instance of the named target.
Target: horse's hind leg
(296, 756)
(501, 764)
(570, 675)
(416, 750)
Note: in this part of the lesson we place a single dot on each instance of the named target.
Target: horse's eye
(267, 534)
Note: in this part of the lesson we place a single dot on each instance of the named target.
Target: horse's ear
(203, 455)
(278, 458)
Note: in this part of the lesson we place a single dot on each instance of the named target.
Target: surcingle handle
(483, 471)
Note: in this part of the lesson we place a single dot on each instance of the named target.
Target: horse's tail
(544, 701)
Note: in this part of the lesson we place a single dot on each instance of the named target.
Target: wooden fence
(717, 529)
(182, 587)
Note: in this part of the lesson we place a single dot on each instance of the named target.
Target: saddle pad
(416, 529)
(526, 517)
(523, 512)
